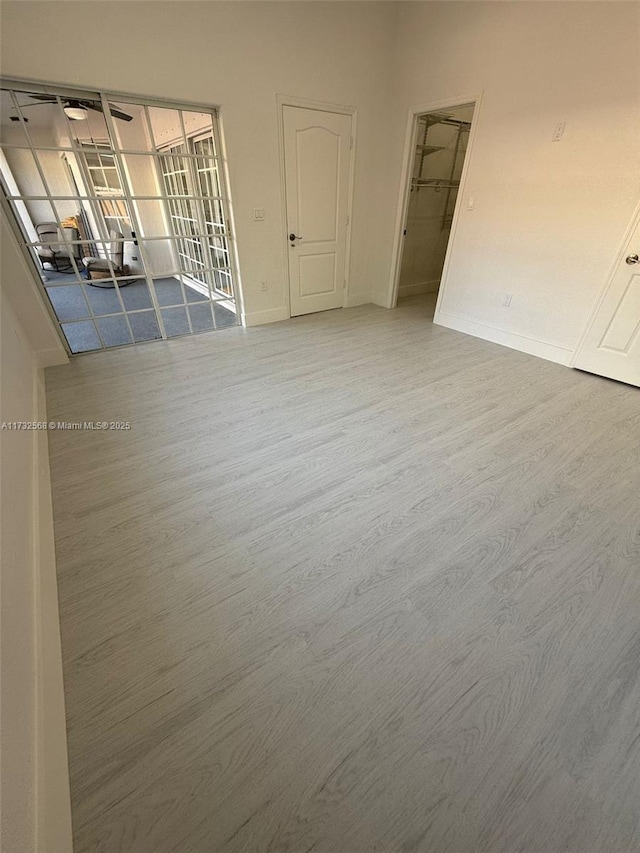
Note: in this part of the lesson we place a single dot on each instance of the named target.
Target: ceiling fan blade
(49, 98)
(97, 106)
(41, 104)
(90, 105)
(119, 114)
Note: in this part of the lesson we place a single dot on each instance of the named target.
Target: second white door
(612, 344)
(317, 165)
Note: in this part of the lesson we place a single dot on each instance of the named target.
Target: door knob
(293, 237)
(632, 259)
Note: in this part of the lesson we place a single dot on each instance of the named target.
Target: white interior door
(612, 345)
(317, 163)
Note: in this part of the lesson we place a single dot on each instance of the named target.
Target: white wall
(549, 216)
(239, 56)
(34, 788)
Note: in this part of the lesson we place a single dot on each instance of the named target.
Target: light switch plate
(258, 213)
(558, 132)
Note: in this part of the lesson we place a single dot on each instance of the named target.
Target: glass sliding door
(123, 209)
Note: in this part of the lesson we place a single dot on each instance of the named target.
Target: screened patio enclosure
(122, 206)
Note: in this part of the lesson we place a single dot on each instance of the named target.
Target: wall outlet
(506, 300)
(134, 257)
(471, 204)
(558, 132)
(264, 287)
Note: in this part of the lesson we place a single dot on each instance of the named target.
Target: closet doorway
(439, 144)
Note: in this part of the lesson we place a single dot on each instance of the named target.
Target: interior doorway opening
(441, 140)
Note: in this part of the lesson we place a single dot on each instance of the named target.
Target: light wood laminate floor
(352, 583)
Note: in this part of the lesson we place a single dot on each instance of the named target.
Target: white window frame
(93, 196)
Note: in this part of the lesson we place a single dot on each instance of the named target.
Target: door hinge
(344, 284)
(348, 219)
(351, 142)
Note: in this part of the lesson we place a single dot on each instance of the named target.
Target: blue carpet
(69, 305)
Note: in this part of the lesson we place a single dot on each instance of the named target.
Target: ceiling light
(76, 113)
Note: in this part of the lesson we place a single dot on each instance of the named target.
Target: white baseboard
(532, 346)
(271, 315)
(419, 287)
(275, 315)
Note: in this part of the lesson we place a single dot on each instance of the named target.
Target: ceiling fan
(77, 109)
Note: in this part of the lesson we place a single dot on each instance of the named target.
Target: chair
(52, 248)
(98, 269)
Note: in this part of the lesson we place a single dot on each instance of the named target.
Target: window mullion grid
(185, 166)
(83, 166)
(102, 225)
(126, 151)
(117, 289)
(54, 210)
(134, 218)
(96, 198)
(197, 187)
(169, 183)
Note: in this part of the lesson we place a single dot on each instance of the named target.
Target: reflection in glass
(28, 117)
(144, 326)
(208, 181)
(114, 330)
(11, 123)
(168, 291)
(199, 123)
(68, 301)
(91, 127)
(166, 126)
(159, 257)
(136, 296)
(130, 126)
(201, 317)
(175, 321)
(213, 216)
(131, 199)
(151, 217)
(107, 261)
(223, 283)
(82, 336)
(103, 300)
